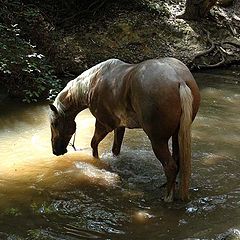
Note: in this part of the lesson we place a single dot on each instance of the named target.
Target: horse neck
(84, 82)
(74, 97)
(67, 103)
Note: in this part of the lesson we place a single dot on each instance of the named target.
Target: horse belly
(130, 120)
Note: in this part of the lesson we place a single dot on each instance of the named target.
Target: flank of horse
(159, 95)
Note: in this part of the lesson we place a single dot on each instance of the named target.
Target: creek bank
(70, 44)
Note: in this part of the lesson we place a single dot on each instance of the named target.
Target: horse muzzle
(59, 152)
(59, 148)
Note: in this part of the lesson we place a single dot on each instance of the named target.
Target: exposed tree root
(216, 48)
(213, 65)
(208, 50)
(237, 45)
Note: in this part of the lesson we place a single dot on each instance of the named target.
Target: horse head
(62, 129)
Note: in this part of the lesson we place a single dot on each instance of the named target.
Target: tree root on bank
(218, 49)
(208, 50)
(212, 65)
(237, 45)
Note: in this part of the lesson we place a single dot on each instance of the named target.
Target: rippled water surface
(77, 197)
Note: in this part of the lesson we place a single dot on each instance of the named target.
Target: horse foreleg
(170, 167)
(118, 138)
(99, 134)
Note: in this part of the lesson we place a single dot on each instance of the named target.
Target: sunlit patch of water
(98, 176)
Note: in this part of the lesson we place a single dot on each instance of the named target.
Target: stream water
(78, 197)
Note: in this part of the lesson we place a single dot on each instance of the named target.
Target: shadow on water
(78, 197)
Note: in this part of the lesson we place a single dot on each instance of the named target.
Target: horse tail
(184, 140)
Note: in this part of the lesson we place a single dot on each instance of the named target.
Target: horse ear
(53, 108)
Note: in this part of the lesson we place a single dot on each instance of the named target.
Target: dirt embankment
(136, 34)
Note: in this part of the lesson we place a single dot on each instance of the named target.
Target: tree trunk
(197, 9)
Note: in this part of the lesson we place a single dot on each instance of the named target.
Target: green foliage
(24, 72)
(13, 212)
(44, 209)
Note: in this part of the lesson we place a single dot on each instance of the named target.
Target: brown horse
(160, 96)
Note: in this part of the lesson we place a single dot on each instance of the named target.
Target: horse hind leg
(118, 138)
(161, 151)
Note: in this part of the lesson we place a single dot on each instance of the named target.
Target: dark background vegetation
(43, 44)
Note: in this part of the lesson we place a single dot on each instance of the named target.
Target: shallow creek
(78, 197)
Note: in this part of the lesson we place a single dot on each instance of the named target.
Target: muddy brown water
(77, 197)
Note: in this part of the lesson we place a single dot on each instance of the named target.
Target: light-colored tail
(184, 140)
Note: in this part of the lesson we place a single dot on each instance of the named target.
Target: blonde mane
(77, 89)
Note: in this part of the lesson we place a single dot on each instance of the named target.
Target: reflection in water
(75, 196)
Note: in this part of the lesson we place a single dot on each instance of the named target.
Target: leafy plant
(26, 73)
(13, 212)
